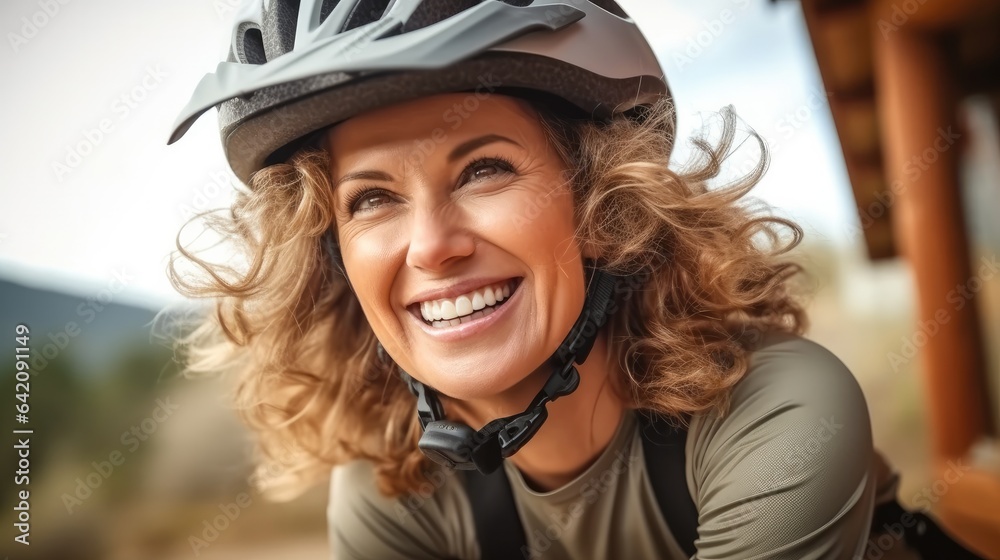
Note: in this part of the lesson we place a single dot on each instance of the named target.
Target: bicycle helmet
(295, 67)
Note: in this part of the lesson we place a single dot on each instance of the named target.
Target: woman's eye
(369, 201)
(485, 169)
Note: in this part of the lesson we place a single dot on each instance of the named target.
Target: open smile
(467, 312)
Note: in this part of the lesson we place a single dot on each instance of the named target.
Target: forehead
(440, 119)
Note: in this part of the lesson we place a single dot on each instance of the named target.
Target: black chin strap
(458, 446)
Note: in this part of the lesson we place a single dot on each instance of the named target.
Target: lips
(469, 306)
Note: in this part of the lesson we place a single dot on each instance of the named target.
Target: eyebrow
(469, 146)
(460, 151)
(363, 175)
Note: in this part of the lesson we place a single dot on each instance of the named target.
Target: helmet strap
(458, 446)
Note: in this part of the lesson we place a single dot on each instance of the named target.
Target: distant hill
(87, 329)
(48, 309)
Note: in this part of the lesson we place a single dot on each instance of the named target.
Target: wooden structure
(895, 72)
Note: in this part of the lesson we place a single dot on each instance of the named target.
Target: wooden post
(916, 99)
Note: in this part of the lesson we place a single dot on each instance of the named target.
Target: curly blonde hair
(289, 328)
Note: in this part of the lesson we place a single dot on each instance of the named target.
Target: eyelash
(354, 198)
(502, 162)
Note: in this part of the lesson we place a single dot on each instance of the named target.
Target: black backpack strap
(920, 532)
(663, 446)
(498, 526)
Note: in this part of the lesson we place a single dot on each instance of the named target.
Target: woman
(463, 209)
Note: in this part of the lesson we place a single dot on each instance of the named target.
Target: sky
(93, 195)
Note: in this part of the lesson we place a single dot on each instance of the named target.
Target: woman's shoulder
(364, 523)
(792, 385)
(788, 370)
(790, 461)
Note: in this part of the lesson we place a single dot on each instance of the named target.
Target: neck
(578, 428)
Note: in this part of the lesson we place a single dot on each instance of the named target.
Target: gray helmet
(298, 66)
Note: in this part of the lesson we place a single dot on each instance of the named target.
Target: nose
(439, 238)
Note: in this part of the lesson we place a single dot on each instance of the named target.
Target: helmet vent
(279, 27)
(430, 12)
(252, 46)
(365, 12)
(391, 32)
(326, 8)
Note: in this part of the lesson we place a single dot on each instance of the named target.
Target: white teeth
(464, 308)
(448, 310)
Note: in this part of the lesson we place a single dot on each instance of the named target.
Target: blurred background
(882, 124)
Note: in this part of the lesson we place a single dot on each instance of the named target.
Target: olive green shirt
(789, 472)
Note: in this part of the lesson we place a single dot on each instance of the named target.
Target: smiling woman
(528, 296)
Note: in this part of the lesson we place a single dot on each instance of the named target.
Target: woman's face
(456, 227)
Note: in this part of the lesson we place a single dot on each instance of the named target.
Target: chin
(469, 384)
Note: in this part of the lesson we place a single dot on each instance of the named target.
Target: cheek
(543, 235)
(543, 226)
(371, 267)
